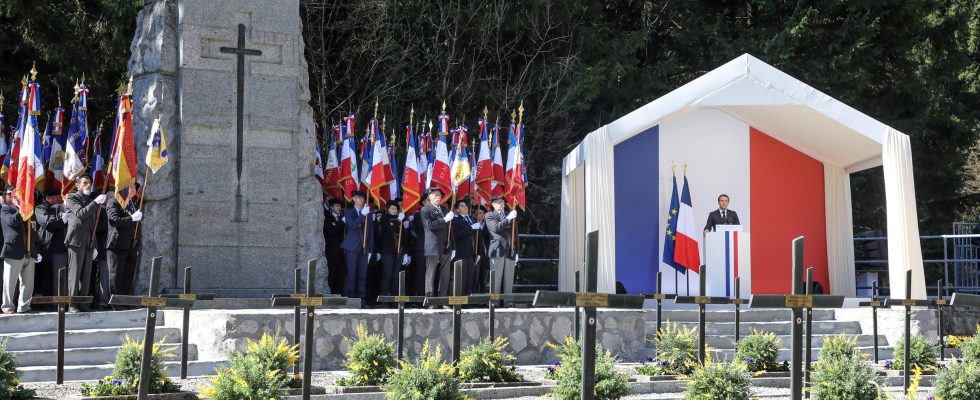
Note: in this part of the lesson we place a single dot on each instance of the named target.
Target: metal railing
(531, 268)
(964, 276)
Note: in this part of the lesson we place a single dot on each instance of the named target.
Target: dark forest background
(576, 65)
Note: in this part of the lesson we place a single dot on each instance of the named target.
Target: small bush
(922, 354)
(485, 362)
(10, 387)
(370, 359)
(609, 383)
(759, 351)
(719, 381)
(677, 347)
(248, 378)
(839, 347)
(427, 378)
(653, 367)
(845, 378)
(126, 371)
(961, 381)
(970, 347)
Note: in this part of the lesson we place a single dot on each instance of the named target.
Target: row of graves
(682, 368)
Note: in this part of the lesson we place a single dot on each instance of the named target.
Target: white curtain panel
(840, 230)
(571, 242)
(600, 201)
(904, 248)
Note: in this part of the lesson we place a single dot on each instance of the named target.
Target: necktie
(723, 214)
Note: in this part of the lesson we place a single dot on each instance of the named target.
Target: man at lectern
(721, 216)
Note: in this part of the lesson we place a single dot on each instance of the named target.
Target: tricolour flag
(317, 159)
(514, 190)
(686, 252)
(75, 146)
(3, 138)
(55, 153)
(124, 151)
(461, 167)
(483, 178)
(10, 163)
(30, 167)
(350, 179)
(497, 188)
(441, 176)
(670, 237)
(156, 152)
(331, 169)
(411, 183)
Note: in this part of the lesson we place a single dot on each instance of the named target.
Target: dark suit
(51, 230)
(482, 241)
(333, 235)
(715, 218)
(389, 237)
(416, 272)
(123, 248)
(82, 211)
(18, 263)
(437, 257)
(499, 251)
(463, 236)
(357, 251)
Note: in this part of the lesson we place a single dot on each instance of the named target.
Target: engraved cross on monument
(240, 52)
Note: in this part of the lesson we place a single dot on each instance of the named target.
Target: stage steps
(91, 342)
(720, 328)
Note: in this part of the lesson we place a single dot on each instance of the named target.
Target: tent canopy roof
(772, 101)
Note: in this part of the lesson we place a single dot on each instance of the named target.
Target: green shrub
(370, 360)
(126, 371)
(922, 354)
(427, 378)
(845, 378)
(278, 355)
(609, 383)
(839, 347)
(248, 378)
(485, 362)
(677, 346)
(719, 381)
(10, 387)
(759, 351)
(970, 348)
(961, 381)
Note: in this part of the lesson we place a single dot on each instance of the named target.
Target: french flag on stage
(686, 252)
(670, 236)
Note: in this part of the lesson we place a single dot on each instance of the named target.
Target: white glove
(517, 257)
(411, 218)
(406, 259)
(100, 199)
(64, 218)
(476, 225)
(401, 216)
(95, 253)
(477, 261)
(343, 219)
(365, 211)
(137, 216)
(449, 217)
(512, 215)
(405, 224)
(38, 258)
(377, 257)
(453, 255)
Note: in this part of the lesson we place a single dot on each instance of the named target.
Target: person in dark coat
(391, 246)
(123, 242)
(501, 261)
(333, 235)
(18, 260)
(100, 263)
(416, 270)
(358, 246)
(482, 240)
(435, 219)
(464, 233)
(82, 206)
(52, 222)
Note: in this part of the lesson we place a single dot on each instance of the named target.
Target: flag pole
(401, 224)
(513, 226)
(367, 203)
(146, 181)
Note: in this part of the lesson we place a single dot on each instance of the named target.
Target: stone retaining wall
(219, 333)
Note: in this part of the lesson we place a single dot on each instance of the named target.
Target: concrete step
(95, 372)
(884, 353)
(728, 341)
(84, 338)
(728, 315)
(47, 321)
(85, 356)
(779, 328)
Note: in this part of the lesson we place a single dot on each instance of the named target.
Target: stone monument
(238, 200)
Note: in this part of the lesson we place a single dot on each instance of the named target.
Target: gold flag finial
(34, 71)
(673, 167)
(121, 89)
(513, 116)
(411, 115)
(77, 87)
(83, 79)
(520, 115)
(129, 86)
(1, 99)
(384, 121)
(443, 106)
(375, 108)
(24, 81)
(685, 168)
(430, 126)
(486, 112)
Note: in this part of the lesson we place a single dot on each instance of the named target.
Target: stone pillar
(182, 76)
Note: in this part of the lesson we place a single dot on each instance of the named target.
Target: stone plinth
(182, 76)
(219, 333)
